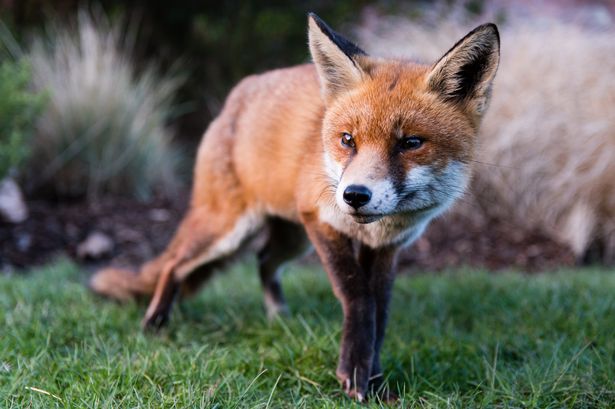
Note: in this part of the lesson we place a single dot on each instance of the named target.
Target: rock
(123, 234)
(159, 215)
(13, 208)
(95, 246)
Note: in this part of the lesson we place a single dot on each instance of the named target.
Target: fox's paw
(113, 283)
(155, 320)
(353, 392)
(375, 391)
(354, 386)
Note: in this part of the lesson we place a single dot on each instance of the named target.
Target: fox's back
(258, 146)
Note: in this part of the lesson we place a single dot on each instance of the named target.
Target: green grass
(464, 339)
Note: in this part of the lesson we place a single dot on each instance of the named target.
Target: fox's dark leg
(350, 284)
(159, 308)
(168, 287)
(202, 241)
(192, 238)
(286, 241)
(381, 265)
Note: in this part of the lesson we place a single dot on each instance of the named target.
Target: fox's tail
(189, 241)
(124, 284)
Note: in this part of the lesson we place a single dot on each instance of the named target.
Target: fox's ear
(465, 73)
(335, 58)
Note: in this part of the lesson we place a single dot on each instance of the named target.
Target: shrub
(105, 126)
(18, 109)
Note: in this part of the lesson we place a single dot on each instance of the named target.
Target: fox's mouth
(363, 218)
(366, 218)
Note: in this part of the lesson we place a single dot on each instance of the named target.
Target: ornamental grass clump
(105, 126)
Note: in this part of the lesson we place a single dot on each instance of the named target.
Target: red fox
(353, 154)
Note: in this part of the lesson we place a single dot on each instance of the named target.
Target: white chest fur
(401, 230)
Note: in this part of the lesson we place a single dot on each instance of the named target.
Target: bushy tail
(125, 285)
(190, 240)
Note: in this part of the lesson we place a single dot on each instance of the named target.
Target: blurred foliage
(217, 42)
(104, 129)
(18, 110)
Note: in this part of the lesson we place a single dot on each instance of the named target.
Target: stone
(13, 208)
(95, 246)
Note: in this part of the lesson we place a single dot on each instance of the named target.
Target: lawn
(461, 339)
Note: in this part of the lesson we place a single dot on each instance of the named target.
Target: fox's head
(399, 137)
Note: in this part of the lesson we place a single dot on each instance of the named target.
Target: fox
(351, 155)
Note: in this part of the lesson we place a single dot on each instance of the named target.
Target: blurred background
(103, 103)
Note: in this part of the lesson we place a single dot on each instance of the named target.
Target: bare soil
(140, 230)
(458, 239)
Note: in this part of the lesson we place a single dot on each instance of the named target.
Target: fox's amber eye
(411, 143)
(347, 140)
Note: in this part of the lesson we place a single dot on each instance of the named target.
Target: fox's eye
(347, 140)
(411, 142)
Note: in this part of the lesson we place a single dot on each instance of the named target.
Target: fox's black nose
(357, 195)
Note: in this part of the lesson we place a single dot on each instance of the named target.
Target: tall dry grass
(105, 126)
(547, 152)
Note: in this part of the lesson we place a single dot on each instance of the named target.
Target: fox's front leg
(351, 286)
(381, 266)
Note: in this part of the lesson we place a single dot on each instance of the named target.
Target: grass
(463, 339)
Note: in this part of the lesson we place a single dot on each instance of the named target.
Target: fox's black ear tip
(489, 28)
(494, 28)
(313, 16)
(322, 26)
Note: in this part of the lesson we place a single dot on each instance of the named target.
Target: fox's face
(399, 137)
(392, 147)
